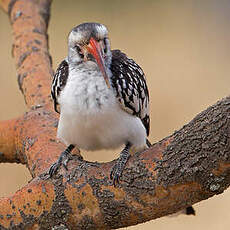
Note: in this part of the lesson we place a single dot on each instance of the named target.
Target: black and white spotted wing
(59, 82)
(129, 81)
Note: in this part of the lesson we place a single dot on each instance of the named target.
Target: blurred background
(183, 47)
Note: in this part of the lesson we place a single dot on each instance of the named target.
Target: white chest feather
(86, 92)
(91, 117)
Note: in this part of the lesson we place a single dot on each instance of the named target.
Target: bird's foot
(64, 158)
(119, 166)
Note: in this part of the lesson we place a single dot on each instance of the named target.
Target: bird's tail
(190, 211)
(187, 211)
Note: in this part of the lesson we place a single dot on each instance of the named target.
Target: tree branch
(8, 140)
(29, 20)
(191, 165)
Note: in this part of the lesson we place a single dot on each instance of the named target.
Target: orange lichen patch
(33, 200)
(35, 82)
(22, 11)
(161, 192)
(174, 197)
(183, 188)
(167, 142)
(183, 194)
(156, 154)
(8, 151)
(132, 219)
(83, 202)
(37, 140)
(221, 169)
(119, 194)
(149, 160)
(9, 214)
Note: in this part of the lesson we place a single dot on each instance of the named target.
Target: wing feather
(59, 82)
(129, 81)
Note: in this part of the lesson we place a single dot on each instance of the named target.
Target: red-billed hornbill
(102, 98)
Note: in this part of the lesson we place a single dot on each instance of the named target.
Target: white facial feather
(101, 31)
(81, 35)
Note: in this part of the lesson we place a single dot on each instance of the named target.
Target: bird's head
(89, 44)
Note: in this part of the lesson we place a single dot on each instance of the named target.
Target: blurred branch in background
(191, 165)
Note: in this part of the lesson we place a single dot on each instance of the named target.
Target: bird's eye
(78, 48)
(105, 45)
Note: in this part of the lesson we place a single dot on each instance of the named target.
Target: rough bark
(191, 165)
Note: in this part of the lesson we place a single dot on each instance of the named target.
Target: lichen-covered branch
(191, 165)
(30, 139)
(29, 20)
(8, 139)
(35, 140)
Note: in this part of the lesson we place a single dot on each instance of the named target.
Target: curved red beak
(94, 48)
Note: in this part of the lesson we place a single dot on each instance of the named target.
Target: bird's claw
(119, 166)
(115, 174)
(63, 160)
(53, 168)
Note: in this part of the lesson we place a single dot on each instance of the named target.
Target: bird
(102, 97)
